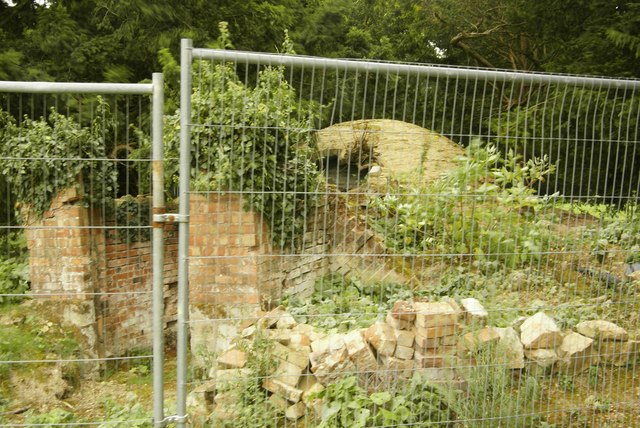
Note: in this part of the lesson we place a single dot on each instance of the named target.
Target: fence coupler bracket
(174, 419)
(170, 218)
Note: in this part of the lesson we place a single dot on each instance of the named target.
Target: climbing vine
(254, 139)
(46, 155)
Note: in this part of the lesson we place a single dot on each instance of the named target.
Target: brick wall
(234, 272)
(125, 308)
(105, 284)
(226, 245)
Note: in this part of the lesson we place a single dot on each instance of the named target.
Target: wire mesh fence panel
(75, 258)
(378, 244)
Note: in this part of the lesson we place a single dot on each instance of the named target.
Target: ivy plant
(50, 154)
(255, 139)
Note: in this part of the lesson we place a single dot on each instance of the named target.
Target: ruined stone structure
(103, 285)
(234, 272)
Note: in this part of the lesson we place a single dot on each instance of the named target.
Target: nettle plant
(482, 209)
(47, 155)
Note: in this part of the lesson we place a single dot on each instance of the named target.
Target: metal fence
(76, 295)
(357, 244)
(382, 244)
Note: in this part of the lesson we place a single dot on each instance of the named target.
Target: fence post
(157, 167)
(183, 243)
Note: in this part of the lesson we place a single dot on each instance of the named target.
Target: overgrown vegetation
(491, 394)
(250, 404)
(44, 156)
(482, 210)
(343, 303)
(494, 394)
(255, 139)
(419, 404)
(14, 267)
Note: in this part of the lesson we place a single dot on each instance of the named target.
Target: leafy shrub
(417, 404)
(14, 267)
(254, 139)
(129, 415)
(480, 209)
(50, 154)
(345, 303)
(54, 418)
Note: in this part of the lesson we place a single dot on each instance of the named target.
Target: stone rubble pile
(435, 338)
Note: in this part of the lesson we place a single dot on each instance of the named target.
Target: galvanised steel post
(183, 242)
(157, 158)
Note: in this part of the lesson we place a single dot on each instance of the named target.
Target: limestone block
(404, 352)
(270, 319)
(280, 335)
(575, 352)
(304, 329)
(326, 375)
(278, 402)
(435, 332)
(540, 331)
(296, 411)
(449, 340)
(398, 367)
(312, 390)
(511, 347)
(288, 373)
(476, 340)
(441, 358)
(618, 353)
(403, 311)
(382, 337)
(330, 358)
(398, 324)
(422, 342)
(474, 311)
(405, 338)
(284, 390)
(602, 330)
(229, 378)
(200, 399)
(359, 351)
(310, 386)
(249, 332)
(544, 358)
(233, 358)
(286, 321)
(299, 340)
(434, 314)
(456, 307)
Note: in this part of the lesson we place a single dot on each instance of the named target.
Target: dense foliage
(482, 210)
(14, 267)
(256, 140)
(44, 156)
(344, 303)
